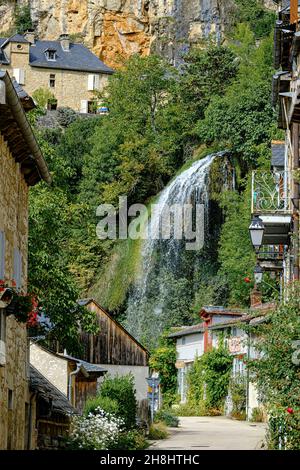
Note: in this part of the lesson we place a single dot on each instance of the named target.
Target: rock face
(116, 29)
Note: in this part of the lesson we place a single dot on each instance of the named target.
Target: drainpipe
(295, 192)
(79, 368)
(74, 373)
(248, 375)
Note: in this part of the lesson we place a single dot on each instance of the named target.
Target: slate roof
(78, 58)
(26, 100)
(45, 389)
(188, 330)
(278, 152)
(88, 366)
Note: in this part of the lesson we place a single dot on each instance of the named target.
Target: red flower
(13, 283)
(247, 279)
(2, 282)
(2, 288)
(290, 411)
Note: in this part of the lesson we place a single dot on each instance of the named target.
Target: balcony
(271, 201)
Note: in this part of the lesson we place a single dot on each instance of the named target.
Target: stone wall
(115, 29)
(13, 375)
(54, 368)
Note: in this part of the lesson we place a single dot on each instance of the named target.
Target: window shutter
(19, 75)
(22, 77)
(97, 82)
(84, 106)
(2, 255)
(91, 82)
(17, 268)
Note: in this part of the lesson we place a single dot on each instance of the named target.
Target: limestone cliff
(115, 29)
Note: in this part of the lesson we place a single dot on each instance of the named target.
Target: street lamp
(258, 274)
(256, 230)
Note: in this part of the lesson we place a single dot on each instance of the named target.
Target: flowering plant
(96, 431)
(23, 306)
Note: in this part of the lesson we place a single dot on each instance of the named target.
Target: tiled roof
(78, 57)
(44, 388)
(218, 310)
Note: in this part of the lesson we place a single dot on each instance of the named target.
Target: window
(52, 80)
(18, 268)
(2, 255)
(2, 338)
(93, 82)
(19, 75)
(50, 54)
(10, 401)
(183, 340)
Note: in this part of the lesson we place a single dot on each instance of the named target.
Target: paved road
(213, 433)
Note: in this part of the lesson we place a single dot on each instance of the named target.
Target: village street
(213, 433)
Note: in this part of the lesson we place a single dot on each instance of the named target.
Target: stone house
(71, 72)
(22, 165)
(77, 380)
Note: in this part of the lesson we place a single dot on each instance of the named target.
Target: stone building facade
(70, 72)
(22, 165)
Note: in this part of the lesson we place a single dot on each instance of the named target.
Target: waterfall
(164, 291)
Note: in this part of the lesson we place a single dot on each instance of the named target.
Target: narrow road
(213, 433)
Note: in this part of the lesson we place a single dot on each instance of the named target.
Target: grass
(158, 431)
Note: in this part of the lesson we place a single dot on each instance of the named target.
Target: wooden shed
(113, 344)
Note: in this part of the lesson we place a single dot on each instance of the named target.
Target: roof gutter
(19, 115)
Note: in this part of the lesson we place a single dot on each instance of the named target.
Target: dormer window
(50, 54)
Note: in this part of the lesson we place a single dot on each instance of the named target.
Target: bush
(130, 440)
(158, 431)
(23, 20)
(121, 390)
(258, 415)
(238, 394)
(42, 96)
(65, 116)
(106, 404)
(168, 417)
(98, 431)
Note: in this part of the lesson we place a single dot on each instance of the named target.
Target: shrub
(106, 404)
(257, 415)
(98, 431)
(130, 440)
(42, 96)
(208, 380)
(168, 417)
(158, 431)
(65, 116)
(121, 390)
(23, 20)
(238, 393)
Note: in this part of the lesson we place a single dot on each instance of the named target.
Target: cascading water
(163, 294)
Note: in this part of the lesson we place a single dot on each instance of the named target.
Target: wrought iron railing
(272, 253)
(270, 192)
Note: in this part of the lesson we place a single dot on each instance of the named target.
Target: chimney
(29, 35)
(255, 298)
(65, 42)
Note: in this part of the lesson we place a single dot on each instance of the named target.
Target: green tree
(277, 371)
(163, 360)
(23, 20)
(49, 276)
